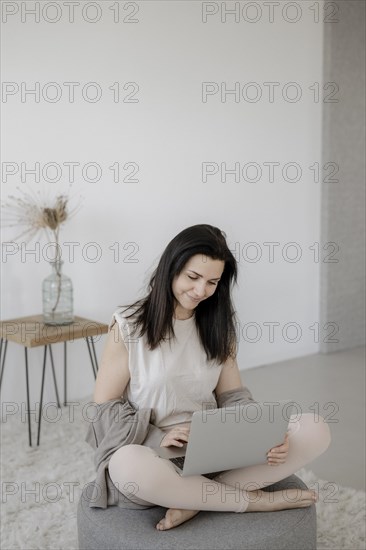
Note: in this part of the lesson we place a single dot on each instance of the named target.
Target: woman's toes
(163, 525)
(175, 517)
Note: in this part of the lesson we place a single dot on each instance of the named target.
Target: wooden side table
(31, 332)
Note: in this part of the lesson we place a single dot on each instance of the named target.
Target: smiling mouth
(193, 299)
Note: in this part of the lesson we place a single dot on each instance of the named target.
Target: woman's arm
(113, 374)
(230, 389)
(229, 378)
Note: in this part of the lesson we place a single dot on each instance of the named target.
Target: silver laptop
(231, 437)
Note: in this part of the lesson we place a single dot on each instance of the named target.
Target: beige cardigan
(118, 423)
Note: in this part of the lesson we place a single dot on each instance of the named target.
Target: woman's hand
(278, 455)
(175, 437)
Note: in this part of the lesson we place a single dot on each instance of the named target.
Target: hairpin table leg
(54, 378)
(65, 374)
(28, 409)
(3, 361)
(95, 355)
(90, 355)
(41, 398)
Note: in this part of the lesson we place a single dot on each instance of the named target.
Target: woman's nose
(199, 290)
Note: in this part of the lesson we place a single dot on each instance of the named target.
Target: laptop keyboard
(178, 461)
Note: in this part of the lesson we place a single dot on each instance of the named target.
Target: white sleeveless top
(175, 379)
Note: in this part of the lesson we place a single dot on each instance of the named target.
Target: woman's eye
(193, 278)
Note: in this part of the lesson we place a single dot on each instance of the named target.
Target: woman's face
(196, 282)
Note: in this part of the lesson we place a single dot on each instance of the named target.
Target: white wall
(169, 52)
(343, 202)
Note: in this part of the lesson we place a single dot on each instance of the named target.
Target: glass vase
(57, 297)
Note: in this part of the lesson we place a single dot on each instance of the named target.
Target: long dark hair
(214, 316)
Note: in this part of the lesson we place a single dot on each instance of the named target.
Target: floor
(334, 385)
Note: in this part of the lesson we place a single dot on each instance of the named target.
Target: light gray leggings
(145, 478)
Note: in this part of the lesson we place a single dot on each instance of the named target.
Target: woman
(178, 351)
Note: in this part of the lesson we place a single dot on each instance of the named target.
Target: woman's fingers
(175, 437)
(281, 448)
(183, 437)
(278, 455)
(178, 443)
(276, 458)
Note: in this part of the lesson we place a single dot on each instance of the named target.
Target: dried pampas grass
(32, 212)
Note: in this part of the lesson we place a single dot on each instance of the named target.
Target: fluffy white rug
(41, 487)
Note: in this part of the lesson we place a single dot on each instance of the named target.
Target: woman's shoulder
(124, 314)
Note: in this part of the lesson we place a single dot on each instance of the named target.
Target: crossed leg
(155, 481)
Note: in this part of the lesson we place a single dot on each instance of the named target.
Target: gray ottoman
(120, 529)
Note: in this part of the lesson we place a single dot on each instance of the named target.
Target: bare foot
(174, 517)
(263, 501)
(259, 501)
